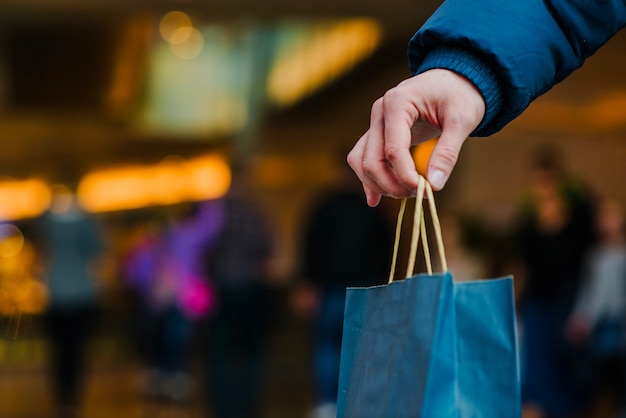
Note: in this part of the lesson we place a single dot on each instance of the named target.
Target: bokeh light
(173, 22)
(181, 35)
(23, 198)
(174, 180)
(11, 240)
(192, 44)
(421, 155)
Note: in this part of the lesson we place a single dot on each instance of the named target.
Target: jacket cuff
(474, 69)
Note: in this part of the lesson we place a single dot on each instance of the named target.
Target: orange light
(11, 240)
(23, 199)
(173, 181)
(421, 155)
(171, 23)
(208, 177)
(187, 43)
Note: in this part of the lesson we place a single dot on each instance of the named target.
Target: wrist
(476, 70)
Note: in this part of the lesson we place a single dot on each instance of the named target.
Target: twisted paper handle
(419, 228)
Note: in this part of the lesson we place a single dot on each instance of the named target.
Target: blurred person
(239, 262)
(556, 230)
(345, 243)
(71, 244)
(166, 267)
(599, 316)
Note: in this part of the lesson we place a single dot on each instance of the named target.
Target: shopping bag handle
(419, 229)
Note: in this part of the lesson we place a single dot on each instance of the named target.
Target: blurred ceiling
(60, 54)
(396, 14)
(591, 101)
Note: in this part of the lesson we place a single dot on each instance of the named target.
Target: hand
(436, 102)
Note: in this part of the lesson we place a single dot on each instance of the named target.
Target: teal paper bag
(430, 347)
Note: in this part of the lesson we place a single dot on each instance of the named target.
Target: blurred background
(123, 127)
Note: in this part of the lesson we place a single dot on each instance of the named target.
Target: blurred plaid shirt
(246, 243)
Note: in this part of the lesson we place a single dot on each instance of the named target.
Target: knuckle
(448, 153)
(368, 170)
(392, 153)
(351, 159)
(392, 93)
(390, 98)
(377, 106)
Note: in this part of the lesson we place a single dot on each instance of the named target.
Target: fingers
(414, 111)
(373, 159)
(445, 155)
(356, 160)
(373, 193)
(397, 130)
(458, 115)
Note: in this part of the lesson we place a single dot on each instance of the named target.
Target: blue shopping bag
(428, 346)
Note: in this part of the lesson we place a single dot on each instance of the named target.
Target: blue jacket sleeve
(513, 51)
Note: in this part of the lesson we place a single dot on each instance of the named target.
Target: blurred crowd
(205, 270)
(202, 301)
(196, 277)
(566, 248)
(572, 308)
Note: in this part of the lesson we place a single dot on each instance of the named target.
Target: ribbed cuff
(474, 69)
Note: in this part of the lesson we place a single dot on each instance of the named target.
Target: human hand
(436, 102)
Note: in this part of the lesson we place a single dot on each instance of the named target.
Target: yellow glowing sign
(23, 199)
(174, 180)
(315, 58)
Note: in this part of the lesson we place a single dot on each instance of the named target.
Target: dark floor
(114, 379)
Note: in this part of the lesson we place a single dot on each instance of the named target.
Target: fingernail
(438, 179)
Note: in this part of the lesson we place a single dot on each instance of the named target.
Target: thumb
(444, 157)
